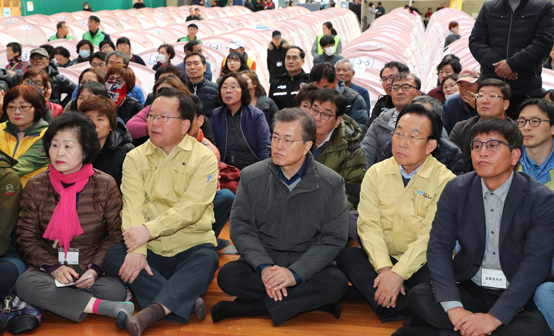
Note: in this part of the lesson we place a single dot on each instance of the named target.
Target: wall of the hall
(49, 7)
(469, 6)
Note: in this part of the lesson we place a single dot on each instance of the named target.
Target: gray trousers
(39, 289)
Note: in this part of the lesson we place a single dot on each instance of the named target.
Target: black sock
(238, 308)
(333, 308)
(145, 319)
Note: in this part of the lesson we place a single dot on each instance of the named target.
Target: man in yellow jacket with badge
(398, 201)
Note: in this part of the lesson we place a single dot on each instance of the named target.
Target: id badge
(72, 256)
(279, 64)
(493, 278)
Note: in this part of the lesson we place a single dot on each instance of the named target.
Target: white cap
(236, 43)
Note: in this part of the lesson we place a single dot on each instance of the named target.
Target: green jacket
(10, 197)
(344, 155)
(55, 37)
(98, 37)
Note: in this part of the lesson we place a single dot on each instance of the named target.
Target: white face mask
(161, 58)
(329, 51)
(448, 96)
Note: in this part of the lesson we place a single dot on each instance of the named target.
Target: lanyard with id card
(72, 256)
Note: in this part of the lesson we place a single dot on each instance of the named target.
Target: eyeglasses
(492, 145)
(22, 108)
(483, 96)
(162, 118)
(287, 142)
(35, 83)
(533, 122)
(230, 88)
(387, 79)
(404, 87)
(410, 138)
(38, 57)
(323, 115)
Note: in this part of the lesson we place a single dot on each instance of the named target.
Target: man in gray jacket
(405, 87)
(289, 221)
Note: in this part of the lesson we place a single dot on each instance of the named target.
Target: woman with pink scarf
(69, 218)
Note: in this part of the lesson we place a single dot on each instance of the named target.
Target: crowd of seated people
(436, 207)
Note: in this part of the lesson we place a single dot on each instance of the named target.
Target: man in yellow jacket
(397, 206)
(168, 185)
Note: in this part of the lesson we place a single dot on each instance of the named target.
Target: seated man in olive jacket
(288, 222)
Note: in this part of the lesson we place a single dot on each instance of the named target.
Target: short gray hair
(350, 63)
(437, 106)
(297, 114)
(118, 54)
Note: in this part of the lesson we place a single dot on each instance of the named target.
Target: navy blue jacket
(364, 93)
(455, 110)
(254, 128)
(526, 236)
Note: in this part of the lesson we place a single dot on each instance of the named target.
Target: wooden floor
(357, 319)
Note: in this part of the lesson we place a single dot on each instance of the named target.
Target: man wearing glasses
(397, 206)
(405, 87)
(60, 84)
(284, 87)
(289, 221)
(169, 256)
(387, 74)
(337, 144)
(501, 221)
(492, 101)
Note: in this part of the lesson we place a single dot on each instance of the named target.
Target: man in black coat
(510, 39)
(501, 225)
(284, 88)
(195, 65)
(276, 53)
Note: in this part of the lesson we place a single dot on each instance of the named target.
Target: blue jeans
(11, 266)
(223, 202)
(544, 299)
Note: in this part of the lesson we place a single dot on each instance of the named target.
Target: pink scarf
(64, 224)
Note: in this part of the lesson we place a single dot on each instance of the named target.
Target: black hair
(302, 53)
(456, 66)
(190, 46)
(186, 104)
(168, 49)
(202, 58)
(544, 105)
(193, 25)
(401, 67)
(451, 56)
(506, 128)
(307, 122)
(402, 75)
(323, 70)
(329, 25)
(98, 89)
(15, 46)
(60, 25)
(100, 55)
(234, 55)
(245, 96)
(198, 106)
(307, 92)
(550, 94)
(61, 51)
(332, 96)
(84, 128)
(94, 18)
(123, 40)
(87, 42)
(49, 49)
(101, 44)
(170, 69)
(502, 85)
(434, 119)
(326, 40)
